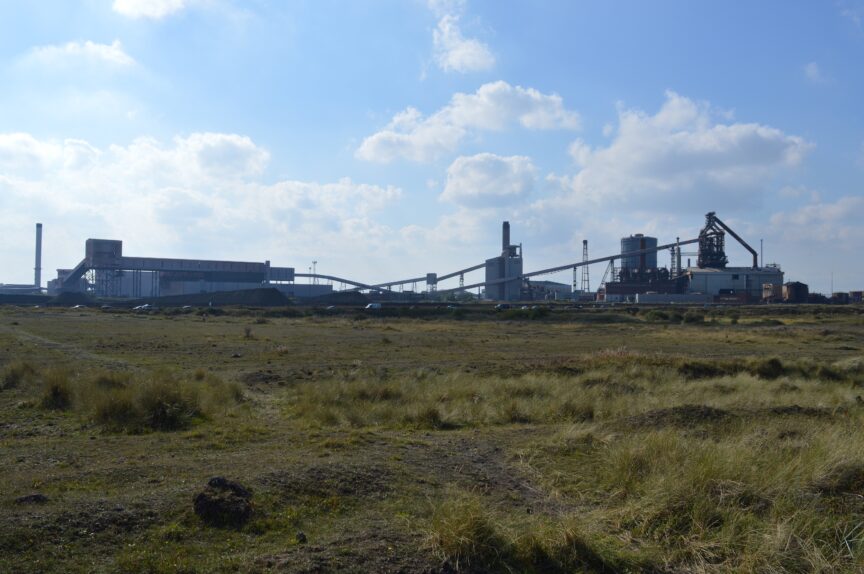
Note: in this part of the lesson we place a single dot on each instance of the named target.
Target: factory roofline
(766, 269)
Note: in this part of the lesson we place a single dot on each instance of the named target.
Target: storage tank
(772, 291)
(635, 243)
(795, 292)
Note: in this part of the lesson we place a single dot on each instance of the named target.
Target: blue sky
(389, 138)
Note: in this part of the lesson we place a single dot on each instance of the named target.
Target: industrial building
(106, 272)
(639, 279)
(633, 275)
(504, 273)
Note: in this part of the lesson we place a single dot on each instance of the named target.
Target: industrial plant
(633, 276)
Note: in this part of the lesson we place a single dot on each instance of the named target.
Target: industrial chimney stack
(37, 280)
(505, 238)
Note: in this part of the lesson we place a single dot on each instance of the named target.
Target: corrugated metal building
(733, 281)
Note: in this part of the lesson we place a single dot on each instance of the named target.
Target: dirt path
(71, 352)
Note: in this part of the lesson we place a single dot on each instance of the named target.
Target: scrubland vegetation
(578, 441)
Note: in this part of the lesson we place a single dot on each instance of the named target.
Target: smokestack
(37, 280)
(505, 237)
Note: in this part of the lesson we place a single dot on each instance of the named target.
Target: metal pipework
(570, 266)
(737, 238)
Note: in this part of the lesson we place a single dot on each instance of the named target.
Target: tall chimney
(505, 237)
(37, 280)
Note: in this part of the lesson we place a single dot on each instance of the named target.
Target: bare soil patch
(379, 548)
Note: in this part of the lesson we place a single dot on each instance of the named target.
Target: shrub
(116, 410)
(656, 315)
(692, 317)
(16, 373)
(57, 392)
(160, 403)
(168, 405)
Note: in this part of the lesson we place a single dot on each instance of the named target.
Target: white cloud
(814, 73)
(443, 7)
(580, 152)
(63, 54)
(455, 53)
(493, 107)
(489, 180)
(152, 9)
(197, 195)
(852, 10)
(823, 222)
(681, 156)
(798, 192)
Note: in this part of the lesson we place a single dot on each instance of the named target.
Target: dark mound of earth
(36, 498)
(799, 410)
(224, 503)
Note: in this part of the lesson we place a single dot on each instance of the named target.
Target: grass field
(623, 440)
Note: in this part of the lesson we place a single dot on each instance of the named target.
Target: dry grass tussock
(122, 402)
(470, 536)
(601, 387)
(756, 468)
(760, 495)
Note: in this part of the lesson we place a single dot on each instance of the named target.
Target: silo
(636, 243)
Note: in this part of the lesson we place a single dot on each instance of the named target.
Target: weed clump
(165, 406)
(16, 373)
(159, 405)
(428, 418)
(57, 391)
(117, 411)
(159, 402)
(464, 534)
